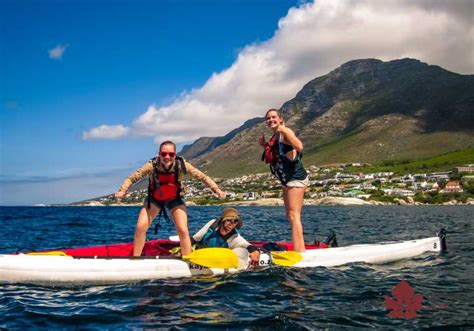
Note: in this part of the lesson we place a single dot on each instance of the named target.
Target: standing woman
(165, 190)
(283, 153)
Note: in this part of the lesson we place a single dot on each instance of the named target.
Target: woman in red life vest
(283, 153)
(165, 190)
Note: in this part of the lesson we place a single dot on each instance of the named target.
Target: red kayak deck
(162, 247)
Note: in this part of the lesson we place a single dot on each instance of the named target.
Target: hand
(220, 193)
(254, 258)
(281, 128)
(120, 194)
(261, 140)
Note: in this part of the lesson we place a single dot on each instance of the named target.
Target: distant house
(439, 176)
(315, 195)
(420, 185)
(334, 191)
(434, 186)
(367, 186)
(452, 186)
(356, 193)
(250, 196)
(465, 169)
(230, 195)
(420, 177)
(353, 192)
(399, 192)
(407, 179)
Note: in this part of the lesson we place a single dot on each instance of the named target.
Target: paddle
(287, 258)
(52, 253)
(214, 257)
(217, 257)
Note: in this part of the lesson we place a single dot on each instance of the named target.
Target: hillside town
(333, 185)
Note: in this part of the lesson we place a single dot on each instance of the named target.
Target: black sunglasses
(233, 221)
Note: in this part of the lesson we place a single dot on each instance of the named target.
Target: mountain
(205, 144)
(363, 111)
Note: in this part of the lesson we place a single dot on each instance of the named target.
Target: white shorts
(298, 183)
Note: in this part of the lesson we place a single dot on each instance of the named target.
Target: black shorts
(168, 204)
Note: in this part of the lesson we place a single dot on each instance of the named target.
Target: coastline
(343, 201)
(327, 201)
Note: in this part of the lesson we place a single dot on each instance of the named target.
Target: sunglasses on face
(165, 154)
(234, 221)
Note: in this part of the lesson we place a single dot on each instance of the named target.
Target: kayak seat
(157, 248)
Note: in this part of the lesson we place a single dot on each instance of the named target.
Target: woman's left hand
(281, 128)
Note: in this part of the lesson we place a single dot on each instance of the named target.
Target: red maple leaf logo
(404, 303)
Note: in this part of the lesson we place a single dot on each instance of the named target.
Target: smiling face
(228, 225)
(273, 119)
(167, 155)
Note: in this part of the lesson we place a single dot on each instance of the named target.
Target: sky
(88, 89)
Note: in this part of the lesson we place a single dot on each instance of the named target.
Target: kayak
(114, 264)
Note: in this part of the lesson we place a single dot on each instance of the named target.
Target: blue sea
(350, 296)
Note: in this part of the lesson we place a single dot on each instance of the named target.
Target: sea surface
(351, 296)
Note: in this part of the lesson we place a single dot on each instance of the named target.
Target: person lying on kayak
(165, 190)
(223, 233)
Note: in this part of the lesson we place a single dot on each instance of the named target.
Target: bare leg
(145, 218)
(293, 198)
(180, 219)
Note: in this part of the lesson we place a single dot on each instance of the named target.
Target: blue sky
(88, 88)
(121, 56)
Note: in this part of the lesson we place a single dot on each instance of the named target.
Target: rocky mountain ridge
(363, 111)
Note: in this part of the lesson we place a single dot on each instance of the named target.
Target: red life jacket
(163, 185)
(270, 153)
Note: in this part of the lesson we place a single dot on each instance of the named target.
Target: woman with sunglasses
(165, 190)
(223, 233)
(283, 153)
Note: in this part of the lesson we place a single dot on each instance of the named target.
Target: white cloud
(311, 41)
(106, 132)
(57, 52)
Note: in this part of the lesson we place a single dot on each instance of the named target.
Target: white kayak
(66, 270)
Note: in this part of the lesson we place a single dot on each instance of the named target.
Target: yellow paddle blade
(287, 258)
(213, 257)
(55, 253)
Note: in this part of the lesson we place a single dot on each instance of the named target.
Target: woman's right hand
(120, 194)
(220, 194)
(261, 140)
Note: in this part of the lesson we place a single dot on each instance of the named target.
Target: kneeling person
(223, 233)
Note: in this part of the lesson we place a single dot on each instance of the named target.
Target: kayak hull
(382, 253)
(56, 270)
(67, 270)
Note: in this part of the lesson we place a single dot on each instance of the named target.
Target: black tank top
(287, 169)
(285, 148)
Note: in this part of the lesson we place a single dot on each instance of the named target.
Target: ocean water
(350, 296)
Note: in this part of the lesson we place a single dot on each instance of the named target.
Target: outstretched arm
(145, 170)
